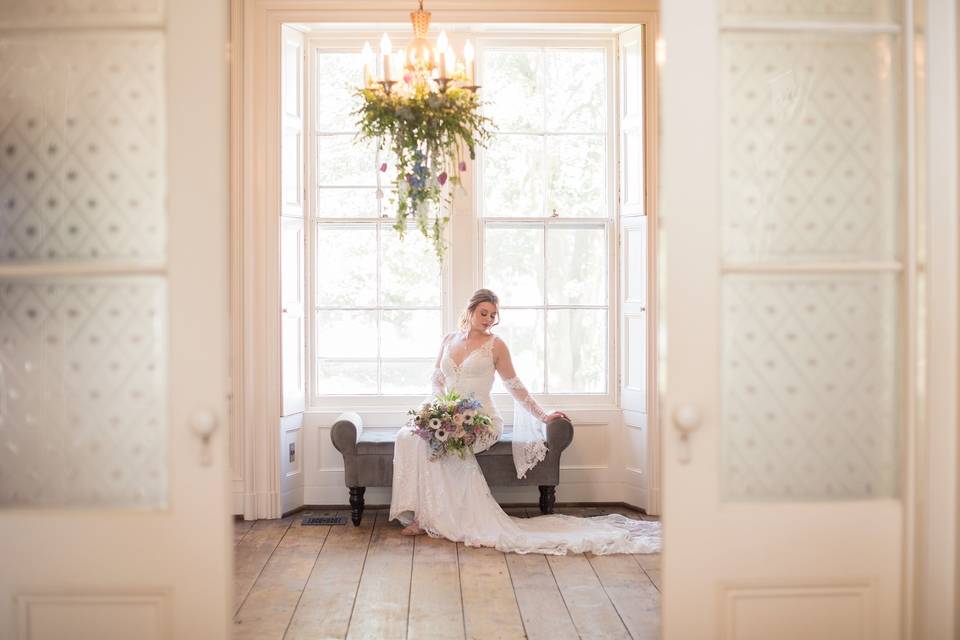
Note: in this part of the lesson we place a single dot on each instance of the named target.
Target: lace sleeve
(521, 395)
(529, 432)
(439, 382)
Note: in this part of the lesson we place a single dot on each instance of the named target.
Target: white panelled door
(113, 320)
(788, 290)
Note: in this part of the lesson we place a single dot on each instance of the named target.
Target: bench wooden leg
(356, 504)
(548, 497)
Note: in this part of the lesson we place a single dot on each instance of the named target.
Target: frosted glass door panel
(813, 221)
(810, 387)
(83, 367)
(81, 148)
(83, 384)
(810, 131)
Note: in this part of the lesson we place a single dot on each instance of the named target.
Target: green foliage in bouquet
(451, 424)
(427, 131)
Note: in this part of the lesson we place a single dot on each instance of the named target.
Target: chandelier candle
(385, 50)
(442, 47)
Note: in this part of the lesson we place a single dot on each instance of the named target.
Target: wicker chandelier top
(421, 62)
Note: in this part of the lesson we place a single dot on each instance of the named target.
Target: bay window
(539, 206)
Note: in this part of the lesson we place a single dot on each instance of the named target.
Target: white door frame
(936, 597)
(931, 563)
(255, 190)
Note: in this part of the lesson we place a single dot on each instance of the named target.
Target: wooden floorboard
(542, 608)
(489, 605)
(240, 530)
(252, 553)
(631, 592)
(296, 582)
(328, 598)
(651, 566)
(590, 608)
(436, 604)
(268, 608)
(383, 597)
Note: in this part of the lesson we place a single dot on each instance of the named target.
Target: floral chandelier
(424, 108)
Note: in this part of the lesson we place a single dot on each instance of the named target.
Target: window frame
(461, 275)
(537, 41)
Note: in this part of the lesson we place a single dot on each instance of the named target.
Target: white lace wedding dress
(450, 498)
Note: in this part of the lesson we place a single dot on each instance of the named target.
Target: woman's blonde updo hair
(479, 296)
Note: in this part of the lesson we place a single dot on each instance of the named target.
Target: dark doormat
(324, 520)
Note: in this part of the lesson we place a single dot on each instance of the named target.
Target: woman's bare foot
(413, 529)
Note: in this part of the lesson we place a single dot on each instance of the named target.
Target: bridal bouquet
(450, 424)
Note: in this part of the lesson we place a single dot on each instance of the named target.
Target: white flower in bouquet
(451, 424)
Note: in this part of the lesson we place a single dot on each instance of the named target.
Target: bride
(449, 497)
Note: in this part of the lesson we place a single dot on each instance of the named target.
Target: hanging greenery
(427, 131)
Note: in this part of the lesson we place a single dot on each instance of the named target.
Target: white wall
(292, 462)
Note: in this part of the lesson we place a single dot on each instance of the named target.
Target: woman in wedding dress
(449, 497)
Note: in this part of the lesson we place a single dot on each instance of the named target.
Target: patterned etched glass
(812, 210)
(83, 359)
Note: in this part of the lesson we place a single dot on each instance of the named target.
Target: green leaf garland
(427, 131)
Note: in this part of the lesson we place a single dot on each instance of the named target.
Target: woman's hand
(557, 414)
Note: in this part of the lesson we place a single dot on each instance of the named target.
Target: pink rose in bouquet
(450, 424)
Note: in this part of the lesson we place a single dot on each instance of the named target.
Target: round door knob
(203, 423)
(686, 418)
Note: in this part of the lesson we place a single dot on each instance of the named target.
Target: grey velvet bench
(368, 461)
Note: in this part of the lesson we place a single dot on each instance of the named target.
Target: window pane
(338, 75)
(346, 266)
(410, 334)
(513, 85)
(343, 161)
(513, 263)
(347, 203)
(346, 334)
(406, 377)
(577, 265)
(577, 350)
(576, 91)
(387, 161)
(291, 169)
(513, 176)
(409, 275)
(522, 331)
(338, 378)
(389, 207)
(576, 176)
